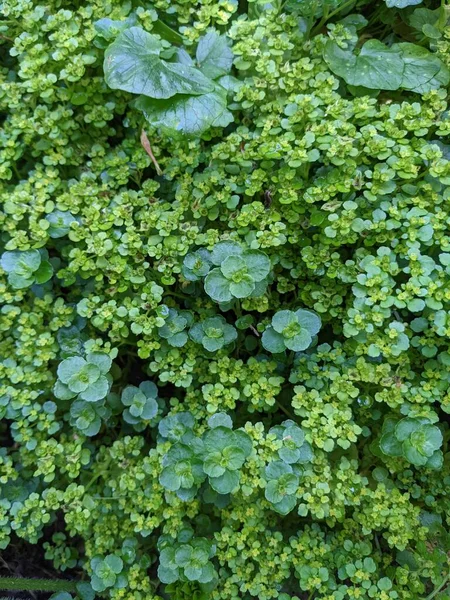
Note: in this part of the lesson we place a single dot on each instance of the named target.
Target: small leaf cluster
(186, 558)
(417, 440)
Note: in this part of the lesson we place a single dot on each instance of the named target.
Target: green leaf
(422, 70)
(96, 391)
(299, 342)
(167, 575)
(44, 272)
(69, 367)
(100, 360)
(390, 445)
(273, 341)
(244, 288)
(377, 66)
(217, 286)
(193, 572)
(405, 428)
(286, 505)
(114, 563)
(170, 479)
(424, 16)
(258, 264)
(234, 457)
(22, 263)
(220, 420)
(401, 3)
(132, 64)
(223, 249)
(62, 391)
(183, 555)
(309, 320)
(226, 483)
(187, 115)
(413, 455)
(232, 264)
(214, 55)
(212, 466)
(433, 439)
(272, 492)
(19, 282)
(283, 319)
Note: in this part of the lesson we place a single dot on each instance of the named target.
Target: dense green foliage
(225, 297)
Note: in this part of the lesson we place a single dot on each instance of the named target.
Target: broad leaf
(376, 67)
(189, 115)
(214, 56)
(132, 64)
(379, 67)
(422, 71)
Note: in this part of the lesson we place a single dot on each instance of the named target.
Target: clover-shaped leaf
(85, 378)
(196, 265)
(141, 402)
(291, 330)
(281, 486)
(213, 333)
(238, 274)
(24, 268)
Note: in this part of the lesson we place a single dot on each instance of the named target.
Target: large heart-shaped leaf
(380, 67)
(190, 116)
(132, 64)
(376, 67)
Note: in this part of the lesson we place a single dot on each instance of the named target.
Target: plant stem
(326, 18)
(439, 588)
(44, 585)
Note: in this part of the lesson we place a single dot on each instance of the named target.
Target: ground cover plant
(225, 299)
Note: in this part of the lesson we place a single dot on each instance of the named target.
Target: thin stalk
(41, 585)
(326, 18)
(439, 588)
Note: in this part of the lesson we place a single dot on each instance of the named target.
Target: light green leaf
(422, 70)
(376, 67)
(401, 3)
(258, 264)
(273, 341)
(299, 342)
(69, 367)
(220, 420)
(217, 286)
(19, 282)
(214, 56)
(132, 64)
(21, 262)
(223, 249)
(187, 115)
(225, 484)
(309, 320)
(96, 391)
(424, 16)
(244, 288)
(114, 563)
(101, 360)
(234, 457)
(232, 264)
